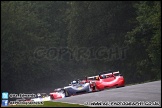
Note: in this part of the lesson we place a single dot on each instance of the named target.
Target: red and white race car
(41, 97)
(58, 93)
(108, 80)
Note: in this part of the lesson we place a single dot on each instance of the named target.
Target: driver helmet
(103, 76)
(39, 95)
(74, 82)
(97, 78)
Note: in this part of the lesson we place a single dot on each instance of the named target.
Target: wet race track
(146, 94)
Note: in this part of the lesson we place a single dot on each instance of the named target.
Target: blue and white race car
(74, 88)
(78, 87)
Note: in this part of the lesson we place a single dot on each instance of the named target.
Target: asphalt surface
(140, 95)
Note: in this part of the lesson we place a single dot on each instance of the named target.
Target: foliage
(128, 34)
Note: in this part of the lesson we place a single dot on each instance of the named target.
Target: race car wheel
(92, 87)
(66, 93)
(51, 97)
(95, 88)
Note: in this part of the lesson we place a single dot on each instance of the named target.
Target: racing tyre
(51, 97)
(66, 93)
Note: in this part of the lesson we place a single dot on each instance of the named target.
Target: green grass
(51, 104)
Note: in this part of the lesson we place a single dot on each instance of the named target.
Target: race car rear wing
(111, 73)
(92, 77)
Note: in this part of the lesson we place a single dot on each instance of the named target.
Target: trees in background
(146, 38)
(32, 31)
